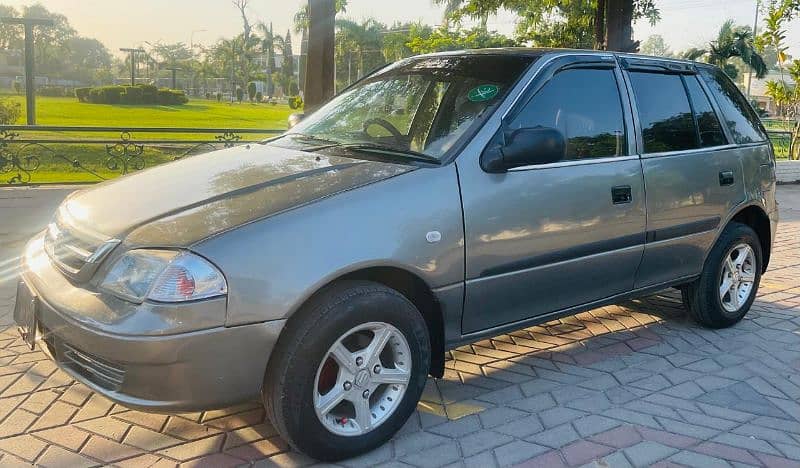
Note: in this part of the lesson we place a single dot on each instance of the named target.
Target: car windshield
(421, 106)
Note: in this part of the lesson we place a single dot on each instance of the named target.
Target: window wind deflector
(607, 64)
(658, 67)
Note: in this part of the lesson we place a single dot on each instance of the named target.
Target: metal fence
(51, 154)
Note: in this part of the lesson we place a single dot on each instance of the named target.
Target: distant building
(758, 89)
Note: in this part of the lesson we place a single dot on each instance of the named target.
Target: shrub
(10, 111)
(82, 94)
(132, 95)
(294, 90)
(149, 94)
(295, 102)
(52, 91)
(259, 96)
(171, 97)
(251, 90)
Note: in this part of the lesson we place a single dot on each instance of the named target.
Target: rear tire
(728, 285)
(347, 342)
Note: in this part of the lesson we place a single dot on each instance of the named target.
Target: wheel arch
(755, 217)
(413, 288)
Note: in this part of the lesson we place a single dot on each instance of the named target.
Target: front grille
(76, 252)
(100, 372)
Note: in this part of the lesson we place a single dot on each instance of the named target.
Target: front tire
(348, 370)
(727, 287)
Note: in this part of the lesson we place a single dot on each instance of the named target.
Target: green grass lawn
(54, 159)
(197, 113)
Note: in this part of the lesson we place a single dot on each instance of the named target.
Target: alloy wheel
(737, 278)
(362, 379)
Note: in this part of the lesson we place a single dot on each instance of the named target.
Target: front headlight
(164, 276)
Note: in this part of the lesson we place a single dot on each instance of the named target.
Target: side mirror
(295, 118)
(525, 147)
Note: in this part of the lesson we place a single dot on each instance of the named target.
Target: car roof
(540, 51)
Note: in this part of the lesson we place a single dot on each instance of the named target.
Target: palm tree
(362, 42)
(732, 41)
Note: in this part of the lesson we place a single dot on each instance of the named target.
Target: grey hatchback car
(442, 199)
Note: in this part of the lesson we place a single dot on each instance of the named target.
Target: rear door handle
(621, 194)
(726, 178)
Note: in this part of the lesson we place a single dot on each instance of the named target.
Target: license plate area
(25, 314)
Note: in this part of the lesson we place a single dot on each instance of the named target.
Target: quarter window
(664, 111)
(708, 125)
(585, 106)
(742, 120)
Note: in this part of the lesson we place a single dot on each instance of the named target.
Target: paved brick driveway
(634, 384)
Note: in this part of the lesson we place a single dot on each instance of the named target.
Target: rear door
(692, 173)
(548, 237)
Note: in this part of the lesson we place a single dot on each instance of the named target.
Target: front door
(541, 239)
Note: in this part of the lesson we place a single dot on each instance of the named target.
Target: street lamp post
(133, 53)
(30, 69)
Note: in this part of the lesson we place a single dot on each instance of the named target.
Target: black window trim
(552, 67)
(637, 122)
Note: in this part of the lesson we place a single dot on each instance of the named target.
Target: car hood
(193, 198)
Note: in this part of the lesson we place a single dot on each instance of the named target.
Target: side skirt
(539, 319)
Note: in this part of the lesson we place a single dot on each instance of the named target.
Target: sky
(132, 23)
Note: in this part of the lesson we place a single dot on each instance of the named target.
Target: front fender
(274, 265)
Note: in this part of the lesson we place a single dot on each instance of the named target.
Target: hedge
(131, 95)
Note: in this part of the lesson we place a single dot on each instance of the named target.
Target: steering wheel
(386, 125)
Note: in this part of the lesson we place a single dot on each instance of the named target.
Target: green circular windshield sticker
(483, 93)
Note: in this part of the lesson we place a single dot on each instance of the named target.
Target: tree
(732, 41)
(604, 24)
(656, 46)
(358, 48)
(10, 34)
(84, 58)
(424, 40)
(451, 8)
(301, 27)
(286, 75)
(268, 48)
(172, 55)
(785, 96)
(51, 42)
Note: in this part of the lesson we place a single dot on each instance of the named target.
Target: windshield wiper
(310, 138)
(389, 151)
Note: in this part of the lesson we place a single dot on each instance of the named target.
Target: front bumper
(187, 371)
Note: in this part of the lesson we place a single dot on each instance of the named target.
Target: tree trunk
(321, 36)
(600, 26)
(619, 26)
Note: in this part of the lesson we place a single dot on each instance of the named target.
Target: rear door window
(708, 125)
(739, 115)
(664, 112)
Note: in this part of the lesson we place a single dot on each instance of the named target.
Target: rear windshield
(739, 114)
